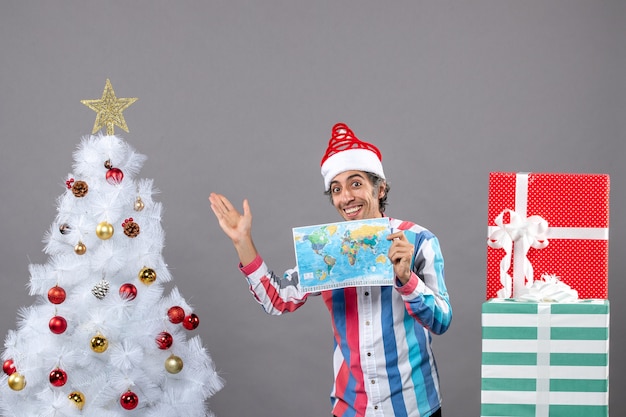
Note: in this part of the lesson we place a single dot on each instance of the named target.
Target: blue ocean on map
(343, 254)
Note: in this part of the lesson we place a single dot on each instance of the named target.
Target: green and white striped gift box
(545, 359)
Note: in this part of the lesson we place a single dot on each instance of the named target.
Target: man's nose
(346, 194)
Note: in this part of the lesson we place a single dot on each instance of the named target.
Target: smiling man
(383, 361)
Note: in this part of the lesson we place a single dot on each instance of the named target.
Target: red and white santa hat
(346, 152)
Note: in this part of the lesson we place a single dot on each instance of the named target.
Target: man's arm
(420, 274)
(277, 295)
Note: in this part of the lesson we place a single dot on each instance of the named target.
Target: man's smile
(350, 211)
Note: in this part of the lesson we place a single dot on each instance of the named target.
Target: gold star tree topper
(109, 110)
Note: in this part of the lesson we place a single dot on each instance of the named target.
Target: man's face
(354, 196)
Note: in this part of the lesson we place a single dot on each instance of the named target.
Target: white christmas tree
(102, 337)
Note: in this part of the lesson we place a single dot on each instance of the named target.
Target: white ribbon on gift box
(544, 291)
(527, 232)
(542, 407)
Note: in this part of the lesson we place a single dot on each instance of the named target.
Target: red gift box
(555, 224)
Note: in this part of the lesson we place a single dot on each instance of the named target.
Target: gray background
(239, 97)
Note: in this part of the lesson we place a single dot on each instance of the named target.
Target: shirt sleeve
(425, 295)
(277, 295)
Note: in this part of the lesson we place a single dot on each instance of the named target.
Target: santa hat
(346, 152)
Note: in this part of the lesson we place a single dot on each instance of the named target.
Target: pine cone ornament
(131, 229)
(101, 289)
(80, 189)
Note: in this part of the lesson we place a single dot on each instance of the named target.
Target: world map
(343, 254)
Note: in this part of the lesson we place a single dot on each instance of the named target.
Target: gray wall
(239, 97)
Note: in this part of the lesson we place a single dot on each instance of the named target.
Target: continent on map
(365, 236)
(330, 262)
(320, 237)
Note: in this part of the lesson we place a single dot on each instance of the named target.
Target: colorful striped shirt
(383, 362)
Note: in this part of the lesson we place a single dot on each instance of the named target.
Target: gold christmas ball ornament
(16, 381)
(147, 275)
(77, 398)
(104, 230)
(99, 344)
(80, 248)
(173, 364)
(139, 204)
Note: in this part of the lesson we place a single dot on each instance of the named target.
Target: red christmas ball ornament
(114, 176)
(191, 322)
(56, 295)
(176, 314)
(128, 291)
(58, 377)
(129, 400)
(57, 325)
(164, 340)
(9, 367)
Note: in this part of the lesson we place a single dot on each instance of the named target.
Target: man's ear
(381, 190)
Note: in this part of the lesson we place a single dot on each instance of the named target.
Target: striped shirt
(383, 362)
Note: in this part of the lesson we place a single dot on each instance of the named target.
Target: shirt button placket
(367, 346)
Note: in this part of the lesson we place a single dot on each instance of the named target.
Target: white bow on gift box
(526, 232)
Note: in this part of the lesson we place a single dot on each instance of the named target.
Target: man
(383, 362)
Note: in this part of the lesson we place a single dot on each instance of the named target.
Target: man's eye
(335, 190)
(356, 183)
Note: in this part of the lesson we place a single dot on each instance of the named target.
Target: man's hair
(376, 181)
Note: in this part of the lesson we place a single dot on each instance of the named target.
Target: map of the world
(344, 254)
